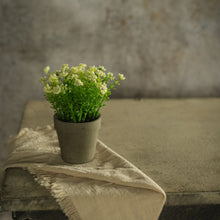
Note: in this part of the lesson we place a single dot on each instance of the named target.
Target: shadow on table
(196, 212)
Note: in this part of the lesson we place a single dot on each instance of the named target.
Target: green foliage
(77, 94)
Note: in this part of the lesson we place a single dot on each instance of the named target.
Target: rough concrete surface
(174, 141)
(165, 48)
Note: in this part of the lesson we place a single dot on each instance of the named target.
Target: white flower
(46, 69)
(64, 67)
(47, 88)
(63, 74)
(56, 89)
(53, 78)
(102, 68)
(121, 76)
(110, 75)
(82, 65)
(90, 72)
(72, 76)
(92, 68)
(78, 82)
(103, 88)
(74, 69)
(100, 73)
(92, 77)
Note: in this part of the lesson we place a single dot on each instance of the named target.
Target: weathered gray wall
(168, 48)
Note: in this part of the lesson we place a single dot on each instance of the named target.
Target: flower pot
(77, 140)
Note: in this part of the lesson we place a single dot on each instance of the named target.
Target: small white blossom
(92, 77)
(78, 82)
(63, 74)
(121, 76)
(110, 75)
(102, 68)
(92, 68)
(74, 69)
(72, 76)
(103, 88)
(64, 67)
(46, 69)
(90, 72)
(47, 88)
(53, 78)
(82, 65)
(100, 73)
(56, 89)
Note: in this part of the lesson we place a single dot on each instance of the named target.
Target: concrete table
(174, 141)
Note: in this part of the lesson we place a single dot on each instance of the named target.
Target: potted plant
(77, 94)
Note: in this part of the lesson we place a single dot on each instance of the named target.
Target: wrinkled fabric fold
(109, 187)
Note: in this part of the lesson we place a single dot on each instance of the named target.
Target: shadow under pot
(77, 140)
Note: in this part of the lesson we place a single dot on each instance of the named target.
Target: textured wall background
(166, 48)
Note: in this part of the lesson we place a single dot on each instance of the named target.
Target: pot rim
(70, 122)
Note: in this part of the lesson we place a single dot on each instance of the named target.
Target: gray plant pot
(77, 140)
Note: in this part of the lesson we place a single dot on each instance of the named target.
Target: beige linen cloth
(107, 188)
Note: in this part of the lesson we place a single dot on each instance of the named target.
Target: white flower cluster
(56, 89)
(66, 79)
(103, 88)
(53, 78)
